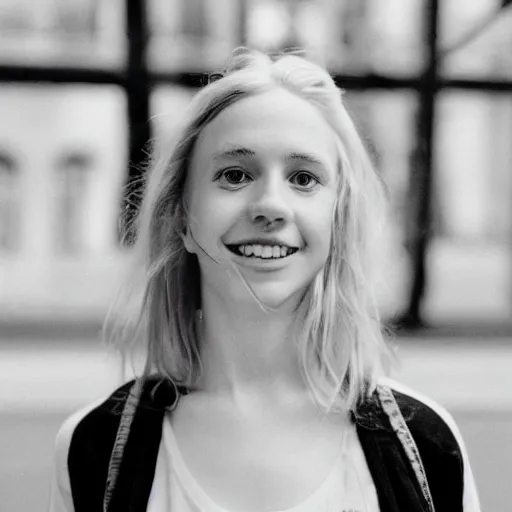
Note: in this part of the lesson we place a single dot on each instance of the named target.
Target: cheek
(318, 237)
(319, 219)
(211, 220)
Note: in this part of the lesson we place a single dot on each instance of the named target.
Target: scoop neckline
(201, 498)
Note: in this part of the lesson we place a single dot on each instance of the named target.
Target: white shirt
(174, 487)
(348, 486)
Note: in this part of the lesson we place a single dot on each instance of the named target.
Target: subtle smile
(262, 251)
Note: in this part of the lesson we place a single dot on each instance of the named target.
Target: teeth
(267, 252)
(264, 251)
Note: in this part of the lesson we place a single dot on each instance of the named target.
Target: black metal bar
(61, 75)
(22, 74)
(137, 90)
(183, 79)
(468, 84)
(420, 192)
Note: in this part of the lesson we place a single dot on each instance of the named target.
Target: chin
(274, 297)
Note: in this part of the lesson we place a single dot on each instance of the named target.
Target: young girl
(264, 386)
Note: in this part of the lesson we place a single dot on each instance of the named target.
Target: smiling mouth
(262, 252)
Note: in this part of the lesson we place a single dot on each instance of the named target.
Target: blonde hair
(339, 335)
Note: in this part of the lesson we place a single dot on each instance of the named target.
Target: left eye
(233, 177)
(304, 180)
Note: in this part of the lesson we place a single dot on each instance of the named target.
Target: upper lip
(262, 241)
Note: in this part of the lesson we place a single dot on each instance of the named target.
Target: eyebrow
(305, 157)
(236, 152)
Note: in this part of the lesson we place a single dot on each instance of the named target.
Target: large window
(428, 82)
(73, 175)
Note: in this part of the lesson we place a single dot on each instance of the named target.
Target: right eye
(233, 177)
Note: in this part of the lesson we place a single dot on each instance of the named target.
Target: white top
(348, 487)
(175, 489)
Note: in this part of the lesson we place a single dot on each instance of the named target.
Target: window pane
(386, 122)
(10, 197)
(72, 186)
(349, 36)
(470, 258)
(477, 37)
(69, 143)
(192, 35)
(88, 33)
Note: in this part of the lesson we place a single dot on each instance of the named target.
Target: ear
(188, 240)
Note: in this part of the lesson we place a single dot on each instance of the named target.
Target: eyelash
(221, 176)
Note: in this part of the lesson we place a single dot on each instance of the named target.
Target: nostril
(264, 220)
(266, 223)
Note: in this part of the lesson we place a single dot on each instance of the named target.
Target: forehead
(272, 123)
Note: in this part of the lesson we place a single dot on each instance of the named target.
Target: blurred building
(63, 148)
(63, 166)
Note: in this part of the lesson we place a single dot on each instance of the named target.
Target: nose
(270, 208)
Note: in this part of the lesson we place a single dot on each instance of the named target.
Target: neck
(249, 352)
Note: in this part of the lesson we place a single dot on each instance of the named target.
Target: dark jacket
(414, 459)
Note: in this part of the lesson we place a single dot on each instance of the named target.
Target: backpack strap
(135, 450)
(413, 456)
(397, 421)
(390, 427)
(123, 431)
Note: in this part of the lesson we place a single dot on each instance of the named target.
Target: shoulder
(98, 413)
(99, 421)
(82, 446)
(439, 442)
(135, 411)
(101, 414)
(93, 417)
(425, 417)
(68, 428)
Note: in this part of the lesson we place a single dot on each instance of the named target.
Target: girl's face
(260, 194)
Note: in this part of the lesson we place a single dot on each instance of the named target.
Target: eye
(304, 180)
(233, 177)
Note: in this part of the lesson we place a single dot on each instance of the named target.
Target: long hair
(338, 330)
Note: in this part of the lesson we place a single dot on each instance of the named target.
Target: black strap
(396, 481)
(397, 484)
(137, 469)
